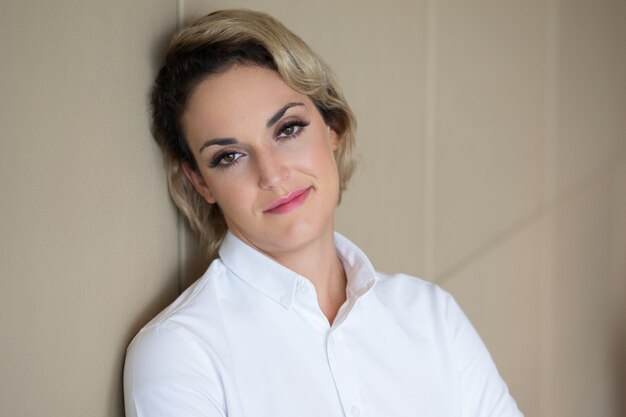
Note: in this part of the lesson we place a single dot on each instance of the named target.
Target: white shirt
(249, 339)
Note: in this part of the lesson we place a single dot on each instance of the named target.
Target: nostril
(272, 178)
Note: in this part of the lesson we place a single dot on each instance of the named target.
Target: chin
(299, 235)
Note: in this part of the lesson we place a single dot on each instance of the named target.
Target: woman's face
(265, 157)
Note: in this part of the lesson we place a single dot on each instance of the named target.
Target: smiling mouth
(286, 204)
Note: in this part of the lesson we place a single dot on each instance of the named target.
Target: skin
(256, 140)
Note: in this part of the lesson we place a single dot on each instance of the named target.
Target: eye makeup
(291, 129)
(288, 130)
(225, 159)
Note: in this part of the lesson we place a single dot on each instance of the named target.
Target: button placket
(306, 306)
(345, 380)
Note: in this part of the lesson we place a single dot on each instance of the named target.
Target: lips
(286, 204)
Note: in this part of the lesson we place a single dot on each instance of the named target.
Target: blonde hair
(212, 45)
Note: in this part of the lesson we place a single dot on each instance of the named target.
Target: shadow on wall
(166, 295)
(194, 262)
(620, 372)
(162, 297)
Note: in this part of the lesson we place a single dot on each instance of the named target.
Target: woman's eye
(226, 159)
(288, 130)
(292, 129)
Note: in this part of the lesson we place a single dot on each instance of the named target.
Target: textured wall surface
(493, 143)
(88, 248)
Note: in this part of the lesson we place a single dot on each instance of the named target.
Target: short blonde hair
(212, 45)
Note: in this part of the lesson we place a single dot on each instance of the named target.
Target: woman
(291, 319)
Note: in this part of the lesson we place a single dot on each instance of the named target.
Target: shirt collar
(360, 272)
(279, 283)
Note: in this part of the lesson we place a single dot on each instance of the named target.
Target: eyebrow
(270, 122)
(217, 141)
(276, 117)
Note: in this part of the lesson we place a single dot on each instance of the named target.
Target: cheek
(230, 190)
(319, 157)
(325, 158)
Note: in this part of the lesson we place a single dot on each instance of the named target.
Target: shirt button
(356, 411)
(302, 291)
(286, 300)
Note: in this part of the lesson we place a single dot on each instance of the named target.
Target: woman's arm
(484, 392)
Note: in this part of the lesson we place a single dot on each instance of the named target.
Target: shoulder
(191, 301)
(182, 327)
(408, 291)
(171, 361)
(418, 303)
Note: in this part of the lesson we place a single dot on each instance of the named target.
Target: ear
(333, 139)
(198, 183)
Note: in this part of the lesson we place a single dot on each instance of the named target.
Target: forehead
(241, 96)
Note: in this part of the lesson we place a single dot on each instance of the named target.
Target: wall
(88, 249)
(493, 144)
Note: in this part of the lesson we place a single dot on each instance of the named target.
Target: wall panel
(589, 145)
(88, 248)
(618, 285)
(488, 124)
(582, 357)
(592, 90)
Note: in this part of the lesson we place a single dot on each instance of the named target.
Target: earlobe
(198, 183)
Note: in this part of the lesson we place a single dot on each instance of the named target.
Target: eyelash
(300, 124)
(218, 160)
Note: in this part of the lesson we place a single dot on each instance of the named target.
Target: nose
(272, 170)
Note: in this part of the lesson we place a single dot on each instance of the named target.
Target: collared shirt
(249, 339)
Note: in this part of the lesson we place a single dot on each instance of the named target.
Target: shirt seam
(201, 284)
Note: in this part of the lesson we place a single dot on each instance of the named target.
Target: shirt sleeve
(166, 376)
(484, 392)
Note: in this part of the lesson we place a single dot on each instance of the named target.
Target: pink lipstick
(286, 204)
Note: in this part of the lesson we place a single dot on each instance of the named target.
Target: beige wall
(88, 249)
(493, 142)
